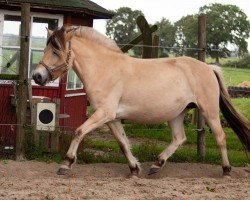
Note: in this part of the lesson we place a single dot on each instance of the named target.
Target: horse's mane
(93, 35)
(58, 41)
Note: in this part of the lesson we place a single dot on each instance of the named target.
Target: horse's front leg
(97, 119)
(120, 135)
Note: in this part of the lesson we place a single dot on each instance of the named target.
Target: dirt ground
(37, 180)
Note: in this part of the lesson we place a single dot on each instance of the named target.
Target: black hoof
(154, 170)
(226, 171)
(63, 171)
(135, 171)
(157, 166)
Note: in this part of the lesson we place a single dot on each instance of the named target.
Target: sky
(172, 10)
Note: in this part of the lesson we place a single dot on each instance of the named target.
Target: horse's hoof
(135, 171)
(63, 171)
(226, 171)
(154, 169)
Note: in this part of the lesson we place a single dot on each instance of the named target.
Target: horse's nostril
(37, 77)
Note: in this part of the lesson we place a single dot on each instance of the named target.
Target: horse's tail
(238, 123)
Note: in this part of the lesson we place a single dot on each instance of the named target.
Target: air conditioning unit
(46, 116)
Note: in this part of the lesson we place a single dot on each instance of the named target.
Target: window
(73, 81)
(10, 25)
(10, 47)
(39, 39)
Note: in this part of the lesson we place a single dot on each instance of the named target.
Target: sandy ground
(37, 180)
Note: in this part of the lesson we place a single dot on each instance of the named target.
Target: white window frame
(32, 15)
(75, 77)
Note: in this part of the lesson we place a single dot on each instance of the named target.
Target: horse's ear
(49, 32)
(69, 33)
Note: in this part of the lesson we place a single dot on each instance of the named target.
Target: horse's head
(57, 58)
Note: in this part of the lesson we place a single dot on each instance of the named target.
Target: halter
(63, 65)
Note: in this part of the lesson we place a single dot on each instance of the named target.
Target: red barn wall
(7, 116)
(75, 107)
(8, 111)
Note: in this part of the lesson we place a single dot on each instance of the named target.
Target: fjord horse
(139, 90)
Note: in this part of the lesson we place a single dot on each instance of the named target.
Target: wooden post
(23, 80)
(136, 40)
(201, 57)
(155, 41)
(202, 37)
(146, 36)
(33, 111)
(55, 135)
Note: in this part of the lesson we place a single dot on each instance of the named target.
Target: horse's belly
(155, 97)
(150, 114)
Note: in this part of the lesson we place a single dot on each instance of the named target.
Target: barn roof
(76, 6)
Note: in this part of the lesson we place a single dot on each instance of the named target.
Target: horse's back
(169, 74)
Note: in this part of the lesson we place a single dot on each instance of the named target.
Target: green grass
(234, 76)
(243, 106)
(222, 61)
(102, 145)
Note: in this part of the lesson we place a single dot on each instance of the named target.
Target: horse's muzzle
(39, 78)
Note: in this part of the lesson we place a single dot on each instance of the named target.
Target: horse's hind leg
(209, 106)
(178, 137)
(220, 136)
(119, 133)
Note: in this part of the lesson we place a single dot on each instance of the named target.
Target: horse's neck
(90, 61)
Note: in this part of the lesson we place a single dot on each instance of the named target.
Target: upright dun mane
(58, 41)
(95, 36)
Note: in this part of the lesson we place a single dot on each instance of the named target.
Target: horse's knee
(79, 135)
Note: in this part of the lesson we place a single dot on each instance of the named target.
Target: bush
(243, 62)
(34, 151)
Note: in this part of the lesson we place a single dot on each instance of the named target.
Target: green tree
(122, 27)
(166, 32)
(226, 24)
(186, 35)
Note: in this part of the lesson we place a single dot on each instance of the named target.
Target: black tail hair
(238, 123)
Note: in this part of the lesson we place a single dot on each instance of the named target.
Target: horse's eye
(55, 53)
